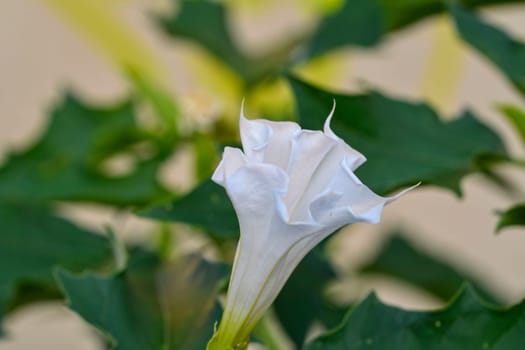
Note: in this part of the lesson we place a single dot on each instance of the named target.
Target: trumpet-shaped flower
(290, 188)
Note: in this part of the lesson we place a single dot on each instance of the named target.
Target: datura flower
(290, 188)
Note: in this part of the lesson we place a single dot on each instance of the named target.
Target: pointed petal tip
(232, 159)
(218, 175)
(327, 130)
(402, 192)
(242, 116)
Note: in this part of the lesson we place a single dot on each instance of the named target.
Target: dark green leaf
(67, 163)
(33, 241)
(405, 142)
(358, 22)
(366, 22)
(149, 306)
(514, 216)
(465, 324)
(206, 23)
(402, 13)
(207, 206)
(398, 258)
(508, 54)
(302, 300)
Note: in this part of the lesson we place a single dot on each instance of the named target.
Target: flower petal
(265, 258)
(232, 159)
(348, 200)
(308, 166)
(255, 190)
(355, 158)
(255, 135)
(268, 141)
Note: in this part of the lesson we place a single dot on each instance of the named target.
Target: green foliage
(507, 53)
(205, 23)
(207, 206)
(404, 139)
(366, 23)
(516, 117)
(514, 216)
(206, 156)
(357, 23)
(361, 21)
(402, 13)
(150, 306)
(465, 324)
(67, 162)
(302, 300)
(398, 258)
(32, 242)
(161, 102)
(154, 303)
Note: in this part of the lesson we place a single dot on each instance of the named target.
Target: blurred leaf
(365, 23)
(517, 118)
(161, 101)
(514, 216)
(405, 142)
(205, 22)
(358, 22)
(508, 54)
(33, 241)
(206, 156)
(464, 324)
(398, 258)
(301, 301)
(66, 163)
(207, 206)
(402, 13)
(149, 306)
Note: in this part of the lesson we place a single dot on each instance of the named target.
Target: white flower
(291, 188)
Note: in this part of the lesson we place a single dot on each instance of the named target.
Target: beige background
(40, 54)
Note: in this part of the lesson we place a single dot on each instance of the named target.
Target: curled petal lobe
(353, 157)
(255, 191)
(267, 141)
(232, 160)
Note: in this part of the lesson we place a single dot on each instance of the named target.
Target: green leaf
(405, 142)
(514, 216)
(516, 117)
(358, 22)
(150, 306)
(160, 100)
(402, 13)
(206, 156)
(205, 22)
(207, 206)
(33, 241)
(465, 324)
(365, 23)
(398, 258)
(67, 162)
(507, 53)
(302, 300)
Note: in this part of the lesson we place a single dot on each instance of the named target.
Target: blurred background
(105, 50)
